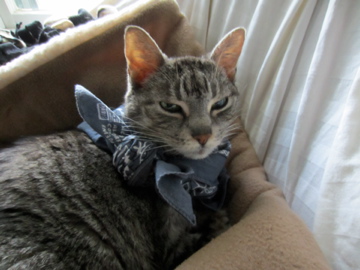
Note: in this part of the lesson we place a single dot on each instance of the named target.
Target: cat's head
(187, 104)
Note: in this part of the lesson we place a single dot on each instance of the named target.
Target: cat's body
(64, 206)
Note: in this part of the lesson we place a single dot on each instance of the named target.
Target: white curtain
(299, 74)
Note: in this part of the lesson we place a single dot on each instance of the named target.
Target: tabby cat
(64, 206)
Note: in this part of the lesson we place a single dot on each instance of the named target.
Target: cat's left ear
(142, 54)
(226, 53)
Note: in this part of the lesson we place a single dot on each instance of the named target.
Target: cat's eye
(170, 107)
(220, 104)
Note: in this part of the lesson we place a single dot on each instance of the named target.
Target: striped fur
(64, 206)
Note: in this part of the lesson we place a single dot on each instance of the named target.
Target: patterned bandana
(178, 180)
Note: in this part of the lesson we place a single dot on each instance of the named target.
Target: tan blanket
(37, 97)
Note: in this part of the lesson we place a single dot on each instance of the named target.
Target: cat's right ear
(142, 54)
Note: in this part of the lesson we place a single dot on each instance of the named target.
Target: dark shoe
(82, 17)
(47, 34)
(31, 33)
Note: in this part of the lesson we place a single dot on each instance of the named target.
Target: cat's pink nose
(202, 139)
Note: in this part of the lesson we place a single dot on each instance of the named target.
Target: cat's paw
(219, 223)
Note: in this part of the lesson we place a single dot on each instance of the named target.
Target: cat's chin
(201, 153)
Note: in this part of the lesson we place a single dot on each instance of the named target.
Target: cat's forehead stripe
(194, 81)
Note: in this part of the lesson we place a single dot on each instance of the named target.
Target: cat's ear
(142, 54)
(226, 53)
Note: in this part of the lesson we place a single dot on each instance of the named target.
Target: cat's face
(187, 105)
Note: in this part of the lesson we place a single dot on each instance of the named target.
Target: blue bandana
(178, 180)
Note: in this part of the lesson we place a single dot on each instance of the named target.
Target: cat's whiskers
(235, 126)
(137, 123)
(154, 140)
(150, 137)
(151, 133)
(145, 133)
(139, 127)
(231, 130)
(230, 135)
